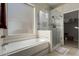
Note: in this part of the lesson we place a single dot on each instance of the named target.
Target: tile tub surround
(15, 47)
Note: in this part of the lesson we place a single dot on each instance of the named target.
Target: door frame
(63, 26)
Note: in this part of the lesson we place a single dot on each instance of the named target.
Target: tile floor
(72, 51)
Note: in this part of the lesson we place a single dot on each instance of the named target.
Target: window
(43, 20)
(21, 18)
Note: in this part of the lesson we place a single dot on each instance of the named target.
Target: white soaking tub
(37, 46)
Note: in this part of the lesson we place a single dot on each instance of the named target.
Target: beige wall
(68, 7)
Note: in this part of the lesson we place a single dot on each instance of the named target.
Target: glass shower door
(56, 27)
(56, 34)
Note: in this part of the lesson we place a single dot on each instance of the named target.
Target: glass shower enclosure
(56, 26)
(52, 21)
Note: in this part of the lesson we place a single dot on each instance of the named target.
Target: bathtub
(29, 47)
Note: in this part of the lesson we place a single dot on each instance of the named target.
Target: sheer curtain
(20, 19)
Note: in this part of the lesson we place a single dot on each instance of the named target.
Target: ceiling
(53, 5)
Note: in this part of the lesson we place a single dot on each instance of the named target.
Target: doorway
(71, 29)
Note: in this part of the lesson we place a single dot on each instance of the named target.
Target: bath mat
(62, 50)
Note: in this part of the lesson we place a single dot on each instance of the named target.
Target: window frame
(12, 38)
